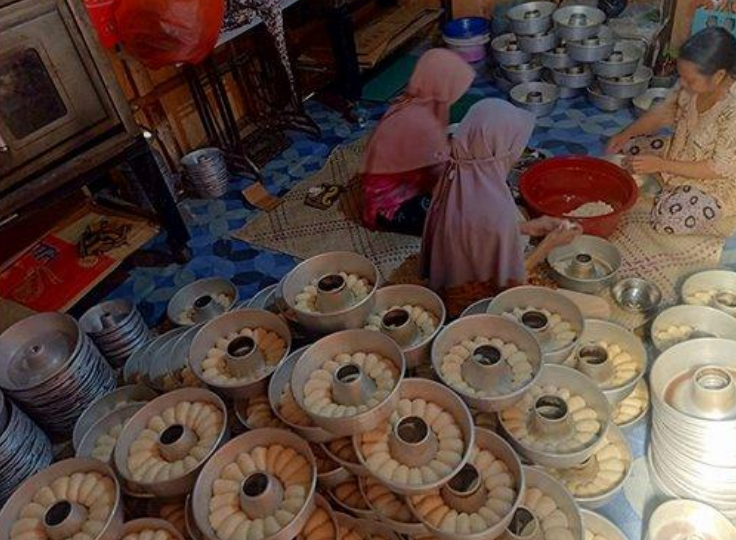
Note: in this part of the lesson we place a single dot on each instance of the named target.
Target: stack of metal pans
(24, 448)
(207, 172)
(144, 363)
(694, 422)
(117, 328)
(53, 370)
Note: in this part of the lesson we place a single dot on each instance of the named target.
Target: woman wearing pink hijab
(473, 245)
(407, 152)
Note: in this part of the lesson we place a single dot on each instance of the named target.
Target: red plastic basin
(556, 186)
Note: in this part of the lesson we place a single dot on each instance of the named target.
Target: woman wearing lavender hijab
(473, 244)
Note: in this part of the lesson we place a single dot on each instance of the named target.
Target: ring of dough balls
(625, 367)
(258, 413)
(186, 316)
(292, 470)
(348, 493)
(374, 445)
(290, 409)
(306, 300)
(214, 366)
(499, 483)
(485, 420)
(145, 462)
(517, 361)
(150, 534)
(385, 502)
(517, 420)
(673, 334)
(633, 406)
(105, 443)
(424, 320)
(610, 462)
(562, 332)
(555, 523)
(318, 388)
(319, 526)
(94, 491)
(704, 297)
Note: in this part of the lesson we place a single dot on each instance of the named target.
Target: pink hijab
(472, 230)
(412, 134)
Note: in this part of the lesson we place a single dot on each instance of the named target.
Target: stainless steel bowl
(202, 494)
(597, 525)
(589, 264)
(605, 102)
(488, 326)
(151, 524)
(623, 61)
(349, 342)
(542, 298)
(416, 350)
(627, 87)
(234, 322)
(592, 48)
(531, 17)
(538, 43)
(368, 528)
(600, 369)
(113, 526)
(176, 487)
(557, 58)
(536, 97)
(307, 272)
(522, 73)
(636, 295)
(688, 519)
(577, 22)
(646, 101)
(87, 444)
(722, 282)
(403, 451)
(578, 76)
(506, 51)
(200, 296)
(704, 321)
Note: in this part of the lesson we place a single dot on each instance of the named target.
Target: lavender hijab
(472, 229)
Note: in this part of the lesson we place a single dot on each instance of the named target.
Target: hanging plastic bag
(166, 32)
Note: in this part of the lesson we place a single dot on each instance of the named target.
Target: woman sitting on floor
(699, 167)
(409, 149)
(473, 245)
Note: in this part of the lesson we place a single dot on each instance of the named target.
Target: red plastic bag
(165, 32)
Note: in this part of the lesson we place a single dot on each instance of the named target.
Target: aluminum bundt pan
(547, 415)
(242, 353)
(539, 98)
(577, 22)
(88, 443)
(531, 17)
(64, 518)
(137, 368)
(466, 492)
(412, 441)
(123, 396)
(139, 525)
(597, 525)
(181, 443)
(484, 370)
(683, 323)
(541, 298)
(477, 308)
(506, 51)
(412, 529)
(716, 288)
(623, 60)
(592, 48)
(259, 490)
(629, 86)
(353, 465)
(397, 323)
(202, 298)
(588, 264)
(321, 503)
(366, 529)
(326, 267)
(355, 386)
(348, 497)
(689, 519)
(557, 58)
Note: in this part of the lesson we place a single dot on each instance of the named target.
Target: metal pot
(623, 60)
(605, 102)
(592, 48)
(557, 58)
(589, 264)
(506, 51)
(578, 76)
(627, 87)
(531, 17)
(538, 43)
(536, 97)
(522, 73)
(577, 22)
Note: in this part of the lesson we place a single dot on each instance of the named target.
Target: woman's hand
(562, 235)
(645, 164)
(617, 143)
(541, 226)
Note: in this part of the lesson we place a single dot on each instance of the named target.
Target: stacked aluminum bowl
(694, 422)
(117, 328)
(207, 172)
(53, 370)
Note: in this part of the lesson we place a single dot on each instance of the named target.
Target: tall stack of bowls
(207, 172)
(468, 37)
(53, 370)
(117, 328)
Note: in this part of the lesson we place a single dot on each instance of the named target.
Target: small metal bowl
(176, 487)
(605, 102)
(152, 524)
(103, 426)
(307, 272)
(644, 102)
(506, 51)
(636, 295)
(531, 17)
(574, 23)
(224, 325)
(523, 73)
(627, 87)
(688, 519)
(202, 494)
(597, 525)
(588, 264)
(200, 295)
(705, 322)
(349, 342)
(488, 326)
(593, 48)
(722, 282)
(536, 97)
(365, 528)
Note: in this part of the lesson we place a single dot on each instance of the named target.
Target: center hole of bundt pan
(395, 318)
(523, 523)
(535, 96)
(487, 355)
(171, 434)
(726, 299)
(241, 346)
(712, 378)
(578, 19)
(255, 485)
(466, 481)
(412, 430)
(616, 56)
(593, 354)
(583, 258)
(203, 301)
(532, 14)
(57, 513)
(551, 407)
(536, 320)
(331, 283)
(348, 373)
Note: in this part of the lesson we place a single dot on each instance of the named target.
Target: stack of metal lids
(53, 370)
(694, 422)
(117, 328)
(24, 448)
(207, 172)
